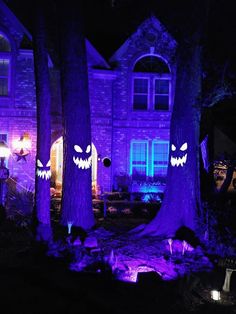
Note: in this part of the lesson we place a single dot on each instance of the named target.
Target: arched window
(151, 84)
(151, 64)
(5, 58)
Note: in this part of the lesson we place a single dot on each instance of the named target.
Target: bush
(20, 207)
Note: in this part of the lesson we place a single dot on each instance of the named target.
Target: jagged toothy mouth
(83, 163)
(178, 161)
(44, 174)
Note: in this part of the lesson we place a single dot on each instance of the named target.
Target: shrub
(20, 207)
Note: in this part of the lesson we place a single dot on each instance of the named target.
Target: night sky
(109, 23)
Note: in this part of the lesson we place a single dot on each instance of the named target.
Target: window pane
(139, 151)
(140, 96)
(151, 64)
(138, 159)
(139, 173)
(161, 87)
(160, 158)
(4, 65)
(140, 102)
(4, 70)
(161, 102)
(141, 86)
(3, 87)
(160, 172)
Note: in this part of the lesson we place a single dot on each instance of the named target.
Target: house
(131, 99)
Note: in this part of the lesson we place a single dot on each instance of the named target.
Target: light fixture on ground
(215, 295)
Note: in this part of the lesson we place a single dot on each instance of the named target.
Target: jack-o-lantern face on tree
(83, 160)
(43, 172)
(178, 157)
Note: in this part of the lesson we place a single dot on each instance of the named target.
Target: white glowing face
(82, 163)
(180, 160)
(43, 172)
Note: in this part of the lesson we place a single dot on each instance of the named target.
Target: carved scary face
(178, 158)
(43, 172)
(83, 160)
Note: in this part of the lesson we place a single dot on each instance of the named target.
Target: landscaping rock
(90, 242)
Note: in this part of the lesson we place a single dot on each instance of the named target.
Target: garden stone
(77, 242)
(90, 242)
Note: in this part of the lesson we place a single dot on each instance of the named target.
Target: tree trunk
(181, 204)
(43, 173)
(77, 184)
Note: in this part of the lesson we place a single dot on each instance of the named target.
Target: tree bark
(42, 178)
(77, 184)
(181, 204)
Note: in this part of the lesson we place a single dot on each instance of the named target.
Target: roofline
(15, 19)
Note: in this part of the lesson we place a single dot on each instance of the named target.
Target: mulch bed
(33, 281)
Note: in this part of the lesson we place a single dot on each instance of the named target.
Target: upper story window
(4, 76)
(5, 59)
(151, 84)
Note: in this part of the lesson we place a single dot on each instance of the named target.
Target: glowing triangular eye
(173, 148)
(78, 149)
(184, 147)
(39, 164)
(88, 149)
(48, 164)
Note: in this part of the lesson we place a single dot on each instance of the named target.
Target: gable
(95, 60)
(151, 36)
(11, 25)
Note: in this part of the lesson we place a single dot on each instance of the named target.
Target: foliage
(122, 182)
(152, 197)
(20, 207)
(218, 234)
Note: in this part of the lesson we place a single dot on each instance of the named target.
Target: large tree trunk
(181, 204)
(43, 172)
(77, 191)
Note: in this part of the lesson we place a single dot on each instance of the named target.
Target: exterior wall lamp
(22, 146)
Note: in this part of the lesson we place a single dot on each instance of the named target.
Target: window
(161, 94)
(4, 76)
(139, 159)
(149, 158)
(151, 64)
(140, 100)
(3, 137)
(4, 44)
(5, 55)
(160, 156)
(151, 84)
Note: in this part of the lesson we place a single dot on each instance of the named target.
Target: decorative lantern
(22, 146)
